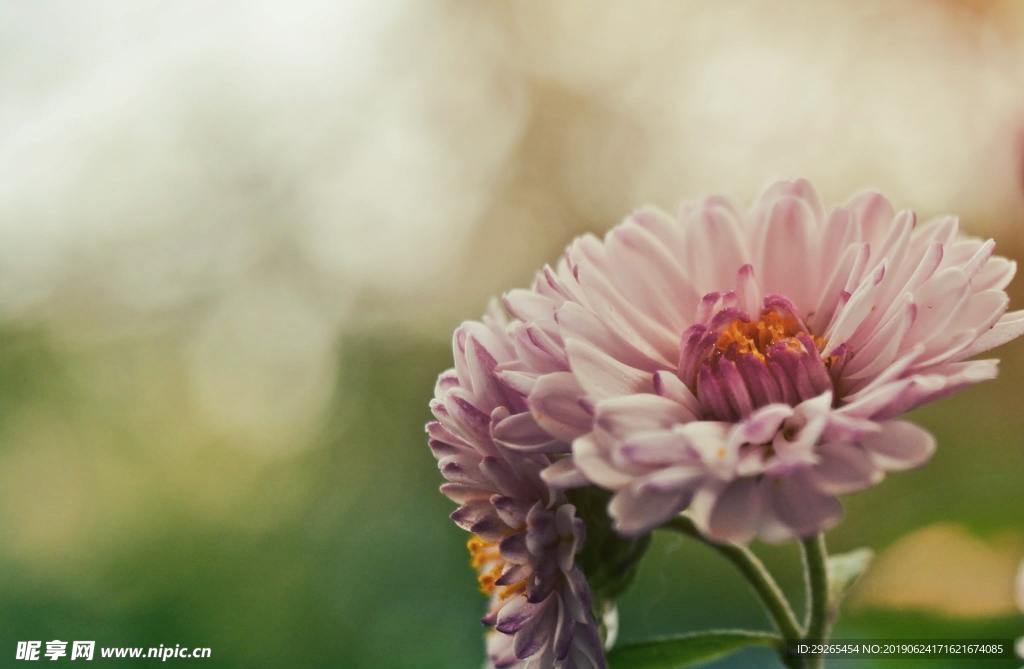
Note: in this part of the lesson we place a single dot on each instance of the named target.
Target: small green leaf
(686, 650)
(843, 571)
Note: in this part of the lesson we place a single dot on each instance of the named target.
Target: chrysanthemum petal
(1009, 327)
(844, 468)
(602, 376)
(537, 629)
(638, 413)
(799, 505)
(636, 511)
(564, 474)
(736, 512)
(555, 405)
(899, 446)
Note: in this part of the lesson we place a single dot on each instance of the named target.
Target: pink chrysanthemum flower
(524, 535)
(749, 365)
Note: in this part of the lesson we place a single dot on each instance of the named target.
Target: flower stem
(757, 575)
(815, 556)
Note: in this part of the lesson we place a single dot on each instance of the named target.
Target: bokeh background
(235, 237)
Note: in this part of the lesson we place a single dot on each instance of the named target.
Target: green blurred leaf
(686, 650)
(843, 571)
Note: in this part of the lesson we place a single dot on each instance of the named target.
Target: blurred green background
(234, 241)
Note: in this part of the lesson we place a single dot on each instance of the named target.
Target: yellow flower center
(757, 337)
(486, 559)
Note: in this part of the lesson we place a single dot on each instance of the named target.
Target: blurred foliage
(679, 651)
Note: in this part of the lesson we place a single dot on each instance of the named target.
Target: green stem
(760, 579)
(815, 556)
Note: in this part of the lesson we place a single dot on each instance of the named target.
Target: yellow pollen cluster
(757, 337)
(486, 559)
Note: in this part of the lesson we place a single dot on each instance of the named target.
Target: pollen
(743, 337)
(485, 558)
(481, 552)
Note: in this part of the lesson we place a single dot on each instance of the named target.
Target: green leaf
(843, 571)
(686, 650)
